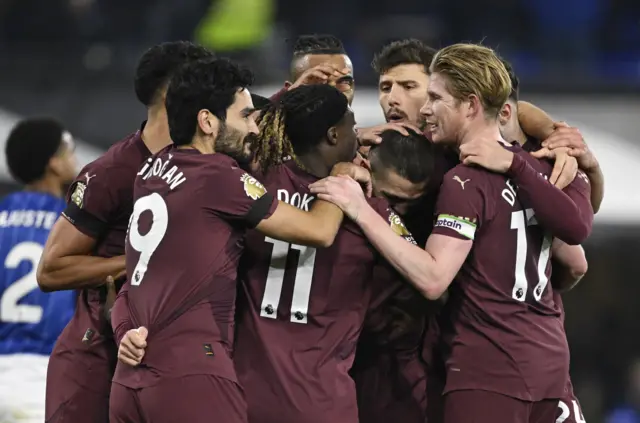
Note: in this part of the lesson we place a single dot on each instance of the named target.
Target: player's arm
(567, 215)
(120, 317)
(248, 201)
(66, 262)
(317, 227)
(569, 265)
(537, 123)
(320, 225)
(430, 270)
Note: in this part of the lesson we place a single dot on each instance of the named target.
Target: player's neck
(521, 137)
(315, 165)
(480, 129)
(46, 186)
(155, 134)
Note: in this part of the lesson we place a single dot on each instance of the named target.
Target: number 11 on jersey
(275, 278)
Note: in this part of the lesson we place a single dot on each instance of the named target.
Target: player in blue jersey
(40, 155)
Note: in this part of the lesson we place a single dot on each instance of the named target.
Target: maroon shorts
(77, 388)
(569, 411)
(476, 406)
(193, 399)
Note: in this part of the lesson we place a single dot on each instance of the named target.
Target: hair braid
(272, 143)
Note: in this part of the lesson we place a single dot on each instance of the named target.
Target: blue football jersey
(30, 320)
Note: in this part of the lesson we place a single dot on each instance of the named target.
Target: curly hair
(209, 84)
(157, 64)
(297, 123)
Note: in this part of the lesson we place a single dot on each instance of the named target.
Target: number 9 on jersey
(147, 244)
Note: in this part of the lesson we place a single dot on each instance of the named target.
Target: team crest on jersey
(398, 227)
(252, 187)
(77, 197)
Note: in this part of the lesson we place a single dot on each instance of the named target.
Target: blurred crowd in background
(74, 59)
(574, 41)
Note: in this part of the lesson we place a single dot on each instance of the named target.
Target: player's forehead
(389, 183)
(438, 84)
(242, 101)
(340, 61)
(408, 72)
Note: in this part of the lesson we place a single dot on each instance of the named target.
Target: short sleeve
(235, 195)
(459, 210)
(92, 200)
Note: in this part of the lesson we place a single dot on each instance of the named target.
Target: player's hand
(320, 74)
(359, 173)
(342, 191)
(362, 160)
(565, 167)
(131, 350)
(488, 154)
(571, 138)
(371, 135)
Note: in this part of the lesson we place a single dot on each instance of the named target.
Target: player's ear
(208, 122)
(332, 135)
(505, 114)
(474, 106)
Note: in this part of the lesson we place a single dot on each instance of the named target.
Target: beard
(234, 144)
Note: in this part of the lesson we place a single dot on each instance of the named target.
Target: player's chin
(437, 136)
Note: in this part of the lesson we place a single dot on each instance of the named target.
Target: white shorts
(23, 379)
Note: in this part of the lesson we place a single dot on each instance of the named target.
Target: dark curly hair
(209, 84)
(160, 62)
(403, 52)
(297, 123)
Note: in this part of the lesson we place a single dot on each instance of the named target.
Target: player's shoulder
(119, 163)
(467, 177)
(216, 172)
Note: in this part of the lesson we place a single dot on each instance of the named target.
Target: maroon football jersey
(190, 214)
(99, 205)
(503, 331)
(299, 315)
(388, 371)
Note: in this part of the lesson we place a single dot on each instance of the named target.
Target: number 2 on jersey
(519, 292)
(146, 244)
(275, 279)
(10, 310)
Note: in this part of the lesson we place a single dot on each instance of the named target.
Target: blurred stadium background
(577, 59)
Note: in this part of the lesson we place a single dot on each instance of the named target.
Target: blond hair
(472, 69)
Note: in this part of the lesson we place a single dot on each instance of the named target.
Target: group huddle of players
(312, 271)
